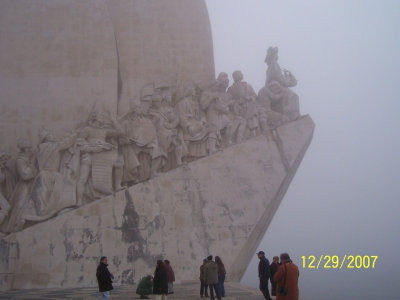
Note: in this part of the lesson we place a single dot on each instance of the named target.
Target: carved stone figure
(244, 95)
(216, 113)
(276, 96)
(7, 183)
(165, 122)
(51, 191)
(193, 126)
(25, 165)
(238, 122)
(142, 156)
(281, 104)
(100, 158)
(274, 72)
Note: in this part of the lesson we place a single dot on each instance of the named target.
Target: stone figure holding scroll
(216, 114)
(51, 191)
(26, 169)
(100, 158)
(193, 125)
(142, 156)
(7, 183)
(244, 95)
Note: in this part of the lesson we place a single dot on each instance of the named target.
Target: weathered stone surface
(220, 205)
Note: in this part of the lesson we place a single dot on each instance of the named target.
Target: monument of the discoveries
(118, 139)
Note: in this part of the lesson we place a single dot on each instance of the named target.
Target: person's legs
(105, 295)
(170, 287)
(205, 289)
(264, 288)
(221, 280)
(211, 291)
(217, 292)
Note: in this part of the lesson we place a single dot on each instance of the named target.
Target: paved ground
(188, 291)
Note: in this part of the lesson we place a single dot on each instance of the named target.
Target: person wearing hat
(263, 274)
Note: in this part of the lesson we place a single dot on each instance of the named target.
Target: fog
(344, 198)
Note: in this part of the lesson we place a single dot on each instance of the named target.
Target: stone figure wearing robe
(142, 156)
(51, 191)
(193, 125)
(216, 115)
(100, 156)
(165, 122)
(244, 95)
(234, 114)
(25, 166)
(7, 183)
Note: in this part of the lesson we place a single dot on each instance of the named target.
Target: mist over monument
(143, 153)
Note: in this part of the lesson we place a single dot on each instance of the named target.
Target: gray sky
(344, 199)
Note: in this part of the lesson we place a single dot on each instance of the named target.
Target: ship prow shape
(219, 205)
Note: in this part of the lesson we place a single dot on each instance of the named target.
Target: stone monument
(142, 154)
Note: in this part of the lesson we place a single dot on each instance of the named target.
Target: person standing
(160, 288)
(273, 268)
(211, 277)
(145, 287)
(263, 273)
(104, 278)
(170, 276)
(203, 285)
(287, 277)
(221, 275)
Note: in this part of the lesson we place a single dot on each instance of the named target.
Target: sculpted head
(157, 99)
(135, 109)
(214, 85)
(190, 90)
(4, 157)
(24, 145)
(237, 76)
(275, 87)
(95, 115)
(224, 80)
(272, 55)
(46, 135)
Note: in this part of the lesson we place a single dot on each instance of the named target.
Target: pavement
(187, 290)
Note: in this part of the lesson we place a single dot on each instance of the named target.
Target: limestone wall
(220, 205)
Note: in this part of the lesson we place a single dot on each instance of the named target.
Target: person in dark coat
(203, 285)
(160, 288)
(145, 287)
(273, 268)
(170, 276)
(263, 273)
(104, 278)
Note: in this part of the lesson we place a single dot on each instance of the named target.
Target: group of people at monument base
(283, 276)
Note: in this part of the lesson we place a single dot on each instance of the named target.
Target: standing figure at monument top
(274, 71)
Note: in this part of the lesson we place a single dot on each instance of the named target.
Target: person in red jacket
(287, 278)
(170, 276)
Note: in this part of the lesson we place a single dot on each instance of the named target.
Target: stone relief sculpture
(235, 110)
(244, 95)
(51, 191)
(25, 166)
(99, 158)
(7, 183)
(142, 155)
(159, 133)
(216, 115)
(193, 125)
(281, 103)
